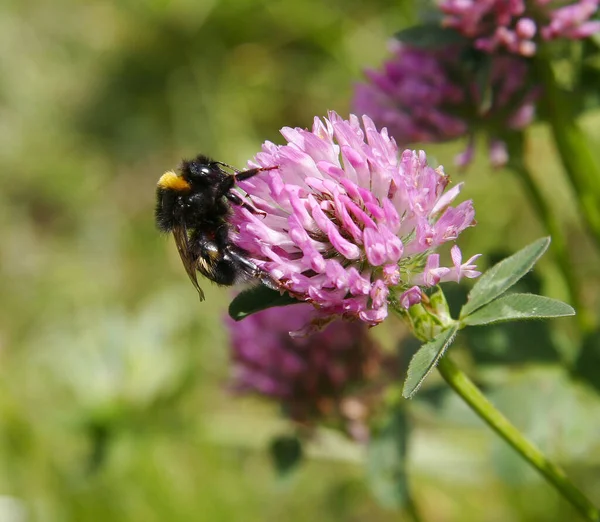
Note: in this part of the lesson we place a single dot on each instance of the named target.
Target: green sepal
(429, 36)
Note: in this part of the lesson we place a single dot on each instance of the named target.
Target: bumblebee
(195, 204)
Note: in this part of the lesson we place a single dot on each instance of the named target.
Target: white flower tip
(456, 256)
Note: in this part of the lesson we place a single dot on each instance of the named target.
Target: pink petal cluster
(514, 25)
(349, 223)
(428, 95)
(310, 376)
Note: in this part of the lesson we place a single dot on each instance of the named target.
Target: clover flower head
(311, 376)
(429, 95)
(411, 94)
(514, 25)
(349, 222)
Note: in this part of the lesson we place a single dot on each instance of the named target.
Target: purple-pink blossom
(348, 222)
(435, 95)
(310, 376)
(516, 25)
(411, 95)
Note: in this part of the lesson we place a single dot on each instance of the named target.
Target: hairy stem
(464, 387)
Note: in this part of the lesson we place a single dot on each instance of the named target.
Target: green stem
(411, 509)
(558, 246)
(577, 157)
(464, 387)
(400, 428)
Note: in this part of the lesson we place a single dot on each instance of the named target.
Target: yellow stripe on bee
(170, 180)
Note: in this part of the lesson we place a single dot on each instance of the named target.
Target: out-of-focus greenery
(112, 375)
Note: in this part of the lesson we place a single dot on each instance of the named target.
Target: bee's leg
(238, 200)
(246, 174)
(241, 175)
(250, 268)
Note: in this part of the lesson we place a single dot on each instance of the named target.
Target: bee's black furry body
(194, 205)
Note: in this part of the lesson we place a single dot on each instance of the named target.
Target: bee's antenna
(228, 166)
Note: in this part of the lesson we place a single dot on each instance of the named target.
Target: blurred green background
(112, 375)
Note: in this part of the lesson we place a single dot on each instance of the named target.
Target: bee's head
(201, 171)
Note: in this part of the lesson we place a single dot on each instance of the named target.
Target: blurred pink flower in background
(350, 222)
(312, 376)
(513, 25)
(432, 95)
(411, 96)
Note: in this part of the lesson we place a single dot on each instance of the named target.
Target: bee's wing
(181, 240)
